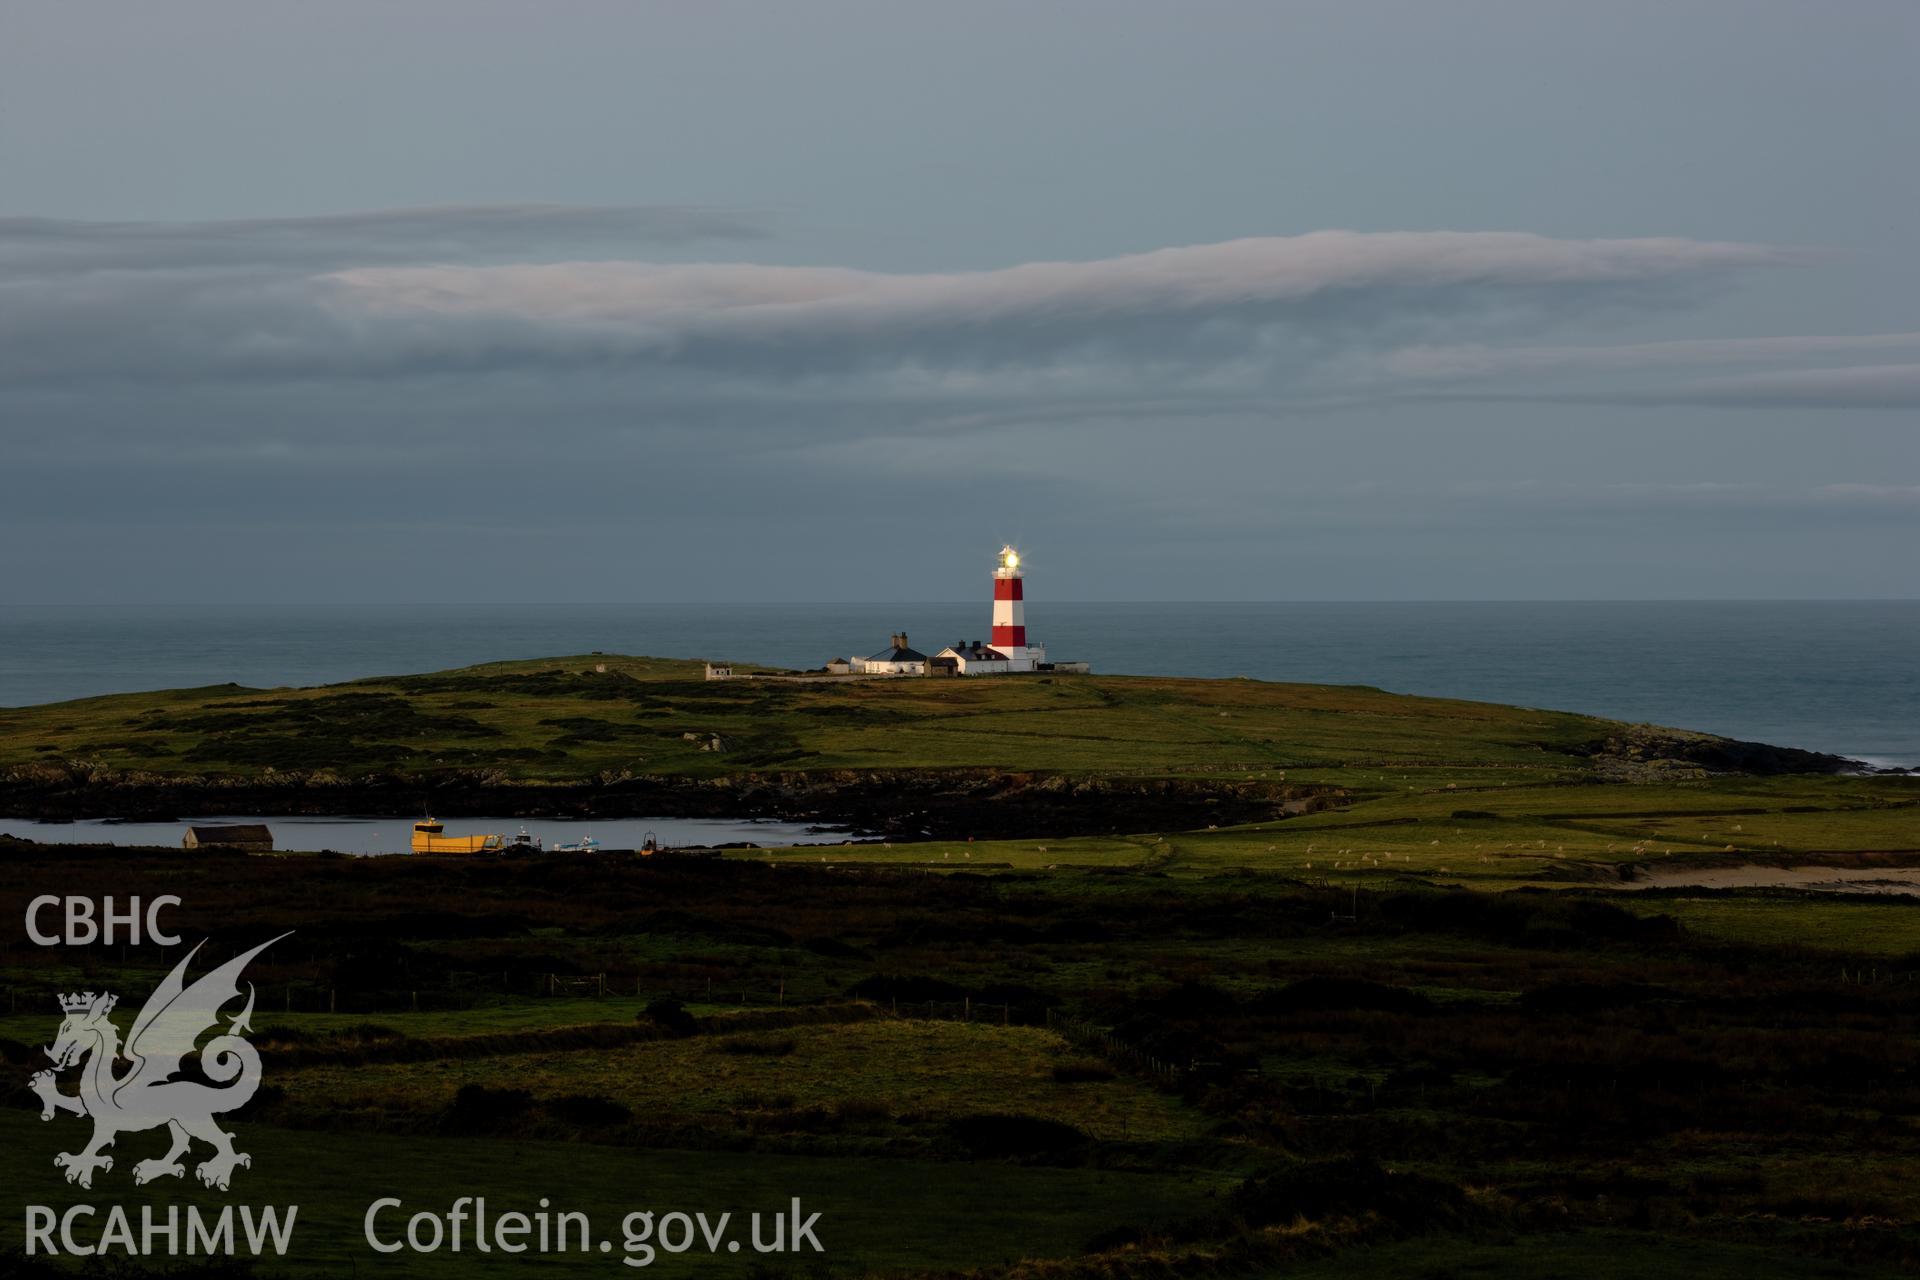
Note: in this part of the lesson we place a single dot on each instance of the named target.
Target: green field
(1496, 837)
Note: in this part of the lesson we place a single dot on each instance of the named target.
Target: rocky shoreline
(904, 803)
(957, 803)
(1647, 752)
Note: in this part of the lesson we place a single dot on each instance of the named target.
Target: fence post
(966, 1008)
(783, 991)
(331, 993)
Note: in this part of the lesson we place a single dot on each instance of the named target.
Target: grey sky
(478, 301)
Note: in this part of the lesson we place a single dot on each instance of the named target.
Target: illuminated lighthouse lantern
(1010, 615)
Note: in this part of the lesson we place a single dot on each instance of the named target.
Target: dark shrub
(764, 1102)
(1115, 1238)
(1085, 1072)
(380, 964)
(1015, 994)
(267, 1095)
(987, 1137)
(758, 1046)
(1348, 1187)
(21, 1265)
(861, 1111)
(834, 949)
(670, 1016)
(1424, 1076)
(1192, 1000)
(1538, 919)
(906, 988)
(1597, 1078)
(477, 1109)
(13, 1051)
(1331, 995)
(1590, 997)
(689, 925)
(588, 1110)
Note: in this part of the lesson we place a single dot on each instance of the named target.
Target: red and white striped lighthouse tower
(1010, 613)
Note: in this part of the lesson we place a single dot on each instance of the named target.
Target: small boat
(585, 844)
(430, 837)
(522, 843)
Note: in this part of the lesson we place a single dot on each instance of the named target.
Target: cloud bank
(1272, 316)
(499, 292)
(59, 247)
(1890, 386)
(1485, 361)
(446, 395)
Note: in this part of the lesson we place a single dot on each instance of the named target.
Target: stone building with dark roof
(897, 659)
(251, 836)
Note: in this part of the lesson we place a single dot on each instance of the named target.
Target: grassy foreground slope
(1294, 1078)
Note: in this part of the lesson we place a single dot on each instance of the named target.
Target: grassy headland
(563, 721)
(1014, 756)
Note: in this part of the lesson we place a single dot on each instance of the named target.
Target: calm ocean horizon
(1836, 676)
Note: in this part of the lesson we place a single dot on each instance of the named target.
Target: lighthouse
(1011, 650)
(1010, 614)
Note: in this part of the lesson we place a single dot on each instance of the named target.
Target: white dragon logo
(147, 1096)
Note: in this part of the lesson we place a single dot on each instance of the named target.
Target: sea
(1838, 676)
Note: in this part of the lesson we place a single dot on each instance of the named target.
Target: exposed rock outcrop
(1645, 752)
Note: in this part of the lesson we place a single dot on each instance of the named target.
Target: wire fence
(1110, 1046)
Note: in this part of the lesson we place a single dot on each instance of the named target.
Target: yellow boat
(430, 836)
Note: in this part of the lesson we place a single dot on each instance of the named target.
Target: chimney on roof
(903, 640)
